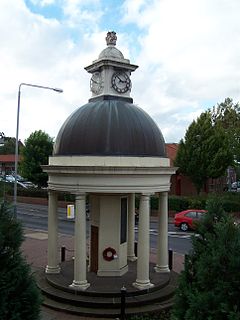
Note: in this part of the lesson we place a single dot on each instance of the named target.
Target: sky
(188, 53)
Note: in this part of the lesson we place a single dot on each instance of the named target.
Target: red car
(187, 219)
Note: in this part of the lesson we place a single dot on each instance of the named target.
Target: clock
(121, 82)
(96, 83)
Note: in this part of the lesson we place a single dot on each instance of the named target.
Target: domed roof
(111, 52)
(110, 128)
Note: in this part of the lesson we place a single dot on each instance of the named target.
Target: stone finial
(111, 38)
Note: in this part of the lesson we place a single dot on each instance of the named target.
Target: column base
(161, 269)
(132, 258)
(141, 285)
(79, 285)
(53, 270)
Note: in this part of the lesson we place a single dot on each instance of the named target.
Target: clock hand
(120, 80)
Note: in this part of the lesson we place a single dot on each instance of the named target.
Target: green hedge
(230, 200)
(231, 206)
(8, 188)
(176, 203)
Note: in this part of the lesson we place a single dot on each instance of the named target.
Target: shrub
(177, 203)
(161, 315)
(197, 203)
(209, 285)
(231, 205)
(19, 295)
(154, 203)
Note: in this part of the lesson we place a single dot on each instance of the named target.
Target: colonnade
(80, 254)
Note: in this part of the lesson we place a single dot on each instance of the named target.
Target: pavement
(34, 249)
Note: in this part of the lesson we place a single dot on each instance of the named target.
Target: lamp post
(17, 129)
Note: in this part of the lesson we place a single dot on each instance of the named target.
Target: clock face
(96, 83)
(121, 82)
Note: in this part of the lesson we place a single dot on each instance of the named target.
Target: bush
(230, 205)
(19, 295)
(209, 285)
(161, 315)
(197, 203)
(177, 203)
(33, 192)
(154, 203)
(4, 188)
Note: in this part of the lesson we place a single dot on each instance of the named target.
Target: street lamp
(17, 129)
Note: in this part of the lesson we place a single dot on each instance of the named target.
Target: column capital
(50, 191)
(163, 194)
(80, 196)
(145, 196)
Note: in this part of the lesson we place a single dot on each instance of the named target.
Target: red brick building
(7, 163)
(181, 185)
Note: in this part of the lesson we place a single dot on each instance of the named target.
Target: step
(105, 313)
(106, 302)
(61, 282)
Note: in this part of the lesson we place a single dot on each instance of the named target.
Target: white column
(80, 252)
(131, 224)
(53, 254)
(162, 243)
(142, 281)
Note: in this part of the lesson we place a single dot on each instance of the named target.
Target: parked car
(21, 182)
(9, 178)
(235, 186)
(28, 184)
(187, 219)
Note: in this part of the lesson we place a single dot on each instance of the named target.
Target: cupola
(110, 124)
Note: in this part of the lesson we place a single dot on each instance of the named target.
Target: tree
(209, 285)
(9, 146)
(19, 295)
(38, 147)
(205, 152)
(227, 115)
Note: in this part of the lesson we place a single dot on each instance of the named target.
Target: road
(35, 217)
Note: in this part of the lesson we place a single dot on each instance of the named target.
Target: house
(182, 185)
(7, 163)
(7, 154)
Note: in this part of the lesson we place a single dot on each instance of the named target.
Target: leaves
(209, 285)
(38, 147)
(227, 115)
(9, 146)
(19, 295)
(205, 151)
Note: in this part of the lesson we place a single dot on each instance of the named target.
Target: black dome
(110, 128)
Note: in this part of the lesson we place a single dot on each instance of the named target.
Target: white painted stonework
(117, 161)
(107, 181)
(112, 175)
(110, 60)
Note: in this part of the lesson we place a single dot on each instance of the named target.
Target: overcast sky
(188, 53)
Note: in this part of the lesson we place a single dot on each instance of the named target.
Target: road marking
(172, 234)
(37, 235)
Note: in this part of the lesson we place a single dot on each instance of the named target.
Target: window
(124, 211)
(191, 214)
(201, 215)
